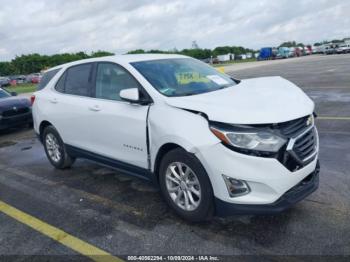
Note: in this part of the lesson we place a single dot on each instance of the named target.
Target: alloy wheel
(183, 186)
(53, 147)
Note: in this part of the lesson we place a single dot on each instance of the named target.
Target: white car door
(69, 106)
(119, 128)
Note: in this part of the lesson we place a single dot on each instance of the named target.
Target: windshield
(3, 93)
(182, 76)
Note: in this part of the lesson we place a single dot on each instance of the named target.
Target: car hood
(10, 102)
(263, 100)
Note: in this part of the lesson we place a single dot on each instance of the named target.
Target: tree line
(199, 53)
(32, 63)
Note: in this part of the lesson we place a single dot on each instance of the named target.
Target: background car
(17, 79)
(343, 49)
(21, 79)
(33, 78)
(298, 51)
(307, 50)
(283, 52)
(330, 49)
(4, 81)
(14, 111)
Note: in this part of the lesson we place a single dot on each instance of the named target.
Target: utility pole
(195, 45)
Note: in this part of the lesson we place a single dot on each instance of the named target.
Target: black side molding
(123, 167)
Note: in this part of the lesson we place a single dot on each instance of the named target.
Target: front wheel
(185, 186)
(55, 149)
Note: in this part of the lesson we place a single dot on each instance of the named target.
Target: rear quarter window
(60, 83)
(47, 78)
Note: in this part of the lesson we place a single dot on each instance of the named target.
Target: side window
(110, 79)
(77, 80)
(47, 78)
(60, 83)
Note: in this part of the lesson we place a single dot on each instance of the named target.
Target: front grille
(301, 147)
(15, 112)
(305, 145)
(294, 127)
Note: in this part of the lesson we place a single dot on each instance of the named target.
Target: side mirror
(131, 95)
(13, 93)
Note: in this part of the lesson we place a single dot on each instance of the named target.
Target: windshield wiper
(225, 86)
(202, 92)
(190, 94)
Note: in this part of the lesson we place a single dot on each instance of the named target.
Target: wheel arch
(42, 127)
(162, 151)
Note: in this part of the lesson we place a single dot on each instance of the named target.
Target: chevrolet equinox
(213, 144)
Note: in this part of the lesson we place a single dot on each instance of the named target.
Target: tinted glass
(60, 83)
(110, 79)
(3, 93)
(182, 76)
(47, 78)
(78, 80)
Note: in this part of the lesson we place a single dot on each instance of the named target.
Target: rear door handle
(53, 100)
(94, 108)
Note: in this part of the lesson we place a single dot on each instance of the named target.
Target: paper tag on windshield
(217, 79)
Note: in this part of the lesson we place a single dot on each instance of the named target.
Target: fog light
(236, 187)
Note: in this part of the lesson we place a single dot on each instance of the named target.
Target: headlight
(253, 140)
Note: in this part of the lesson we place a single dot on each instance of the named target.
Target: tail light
(32, 99)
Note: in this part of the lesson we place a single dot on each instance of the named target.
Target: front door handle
(94, 108)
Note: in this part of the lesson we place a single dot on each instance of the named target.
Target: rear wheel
(185, 186)
(55, 149)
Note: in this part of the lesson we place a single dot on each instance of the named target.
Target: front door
(119, 128)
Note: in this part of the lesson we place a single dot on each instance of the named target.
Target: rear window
(47, 78)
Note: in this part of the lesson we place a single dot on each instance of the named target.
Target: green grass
(22, 88)
(235, 62)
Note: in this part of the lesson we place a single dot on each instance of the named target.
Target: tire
(58, 158)
(197, 208)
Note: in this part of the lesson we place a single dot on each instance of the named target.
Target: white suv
(213, 144)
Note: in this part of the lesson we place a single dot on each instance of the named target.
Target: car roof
(129, 58)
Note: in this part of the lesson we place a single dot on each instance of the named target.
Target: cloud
(57, 26)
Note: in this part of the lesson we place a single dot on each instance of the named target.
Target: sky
(59, 26)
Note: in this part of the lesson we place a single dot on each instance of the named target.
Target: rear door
(69, 108)
(119, 128)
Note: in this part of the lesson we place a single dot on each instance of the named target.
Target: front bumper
(16, 120)
(267, 178)
(304, 188)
